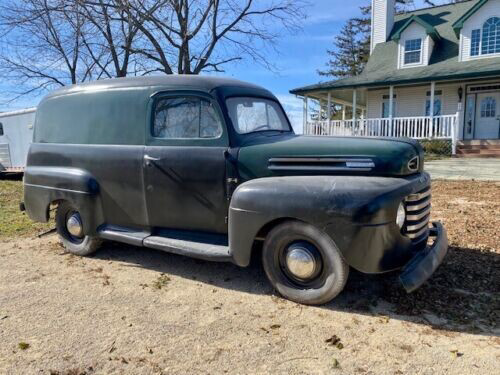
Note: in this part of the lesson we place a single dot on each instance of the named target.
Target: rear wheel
(70, 229)
(303, 263)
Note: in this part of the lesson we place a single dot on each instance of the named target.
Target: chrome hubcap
(300, 262)
(74, 225)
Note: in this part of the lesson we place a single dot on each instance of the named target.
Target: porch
(417, 127)
(421, 111)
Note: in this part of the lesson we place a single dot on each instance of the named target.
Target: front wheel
(70, 229)
(303, 263)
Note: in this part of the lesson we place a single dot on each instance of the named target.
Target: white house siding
(410, 101)
(476, 21)
(415, 31)
(382, 21)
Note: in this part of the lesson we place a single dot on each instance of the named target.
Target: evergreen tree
(352, 47)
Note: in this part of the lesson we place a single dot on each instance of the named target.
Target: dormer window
(486, 42)
(413, 51)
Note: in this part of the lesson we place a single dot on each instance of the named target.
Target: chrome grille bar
(418, 208)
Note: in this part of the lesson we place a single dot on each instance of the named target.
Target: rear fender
(46, 185)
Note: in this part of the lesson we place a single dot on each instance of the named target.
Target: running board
(200, 250)
(125, 235)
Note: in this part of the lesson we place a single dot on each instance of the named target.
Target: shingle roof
(381, 69)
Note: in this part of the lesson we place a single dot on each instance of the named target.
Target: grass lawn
(14, 223)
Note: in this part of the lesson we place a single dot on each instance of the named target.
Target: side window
(475, 41)
(488, 107)
(1, 128)
(185, 118)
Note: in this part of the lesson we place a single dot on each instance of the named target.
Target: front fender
(342, 206)
(44, 185)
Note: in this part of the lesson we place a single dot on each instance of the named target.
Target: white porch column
(343, 112)
(391, 109)
(354, 104)
(329, 108)
(391, 101)
(431, 109)
(304, 110)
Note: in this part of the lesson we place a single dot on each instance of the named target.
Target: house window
(413, 51)
(475, 41)
(437, 103)
(385, 106)
(491, 36)
(488, 107)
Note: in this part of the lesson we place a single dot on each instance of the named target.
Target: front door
(487, 116)
(184, 164)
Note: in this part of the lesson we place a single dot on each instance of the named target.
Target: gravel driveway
(141, 311)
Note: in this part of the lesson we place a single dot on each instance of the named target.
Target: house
(16, 134)
(432, 73)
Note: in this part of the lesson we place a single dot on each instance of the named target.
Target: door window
(186, 118)
(1, 128)
(488, 107)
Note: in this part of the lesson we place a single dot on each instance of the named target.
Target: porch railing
(423, 127)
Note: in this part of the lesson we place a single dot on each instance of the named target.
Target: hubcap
(74, 225)
(300, 262)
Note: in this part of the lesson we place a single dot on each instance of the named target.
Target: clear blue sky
(298, 57)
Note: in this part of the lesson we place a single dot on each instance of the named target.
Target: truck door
(184, 164)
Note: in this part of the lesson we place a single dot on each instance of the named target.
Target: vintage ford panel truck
(211, 168)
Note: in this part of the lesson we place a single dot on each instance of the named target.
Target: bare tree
(113, 35)
(42, 45)
(50, 43)
(191, 36)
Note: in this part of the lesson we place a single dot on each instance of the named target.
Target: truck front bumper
(422, 266)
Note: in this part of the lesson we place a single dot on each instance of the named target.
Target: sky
(298, 56)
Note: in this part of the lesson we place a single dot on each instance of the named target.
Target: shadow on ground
(463, 295)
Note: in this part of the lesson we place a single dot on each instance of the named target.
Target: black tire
(325, 285)
(81, 246)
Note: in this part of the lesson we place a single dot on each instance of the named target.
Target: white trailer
(16, 134)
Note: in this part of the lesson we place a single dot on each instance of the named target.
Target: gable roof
(429, 29)
(382, 70)
(459, 24)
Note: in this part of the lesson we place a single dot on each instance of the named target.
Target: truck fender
(46, 185)
(339, 205)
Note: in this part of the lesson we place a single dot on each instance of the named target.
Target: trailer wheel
(303, 263)
(70, 229)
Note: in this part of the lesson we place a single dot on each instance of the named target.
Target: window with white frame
(475, 42)
(385, 106)
(487, 40)
(488, 107)
(437, 103)
(413, 51)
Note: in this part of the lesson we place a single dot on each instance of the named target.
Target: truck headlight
(401, 215)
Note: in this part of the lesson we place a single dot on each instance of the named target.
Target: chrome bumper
(422, 266)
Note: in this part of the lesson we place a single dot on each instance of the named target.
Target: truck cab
(211, 168)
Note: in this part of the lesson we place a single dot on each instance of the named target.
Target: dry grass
(13, 222)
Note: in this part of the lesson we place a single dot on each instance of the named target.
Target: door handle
(150, 158)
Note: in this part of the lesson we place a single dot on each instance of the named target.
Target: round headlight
(401, 216)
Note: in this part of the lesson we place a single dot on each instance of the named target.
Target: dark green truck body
(94, 147)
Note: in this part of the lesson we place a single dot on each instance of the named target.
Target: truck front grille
(418, 212)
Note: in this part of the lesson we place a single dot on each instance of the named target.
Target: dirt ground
(139, 311)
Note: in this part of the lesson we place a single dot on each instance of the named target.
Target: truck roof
(204, 83)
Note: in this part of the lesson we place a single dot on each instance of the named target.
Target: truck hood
(271, 154)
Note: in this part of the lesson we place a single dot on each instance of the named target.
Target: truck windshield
(251, 115)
